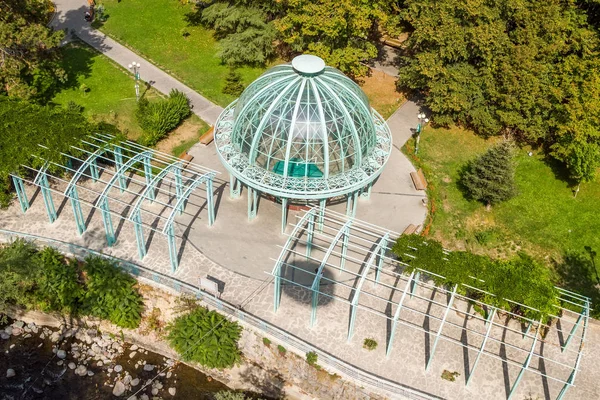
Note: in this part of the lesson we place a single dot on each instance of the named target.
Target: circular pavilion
(302, 132)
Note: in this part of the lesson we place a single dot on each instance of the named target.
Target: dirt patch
(187, 131)
(380, 88)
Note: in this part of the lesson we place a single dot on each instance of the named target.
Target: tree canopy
(529, 69)
(29, 52)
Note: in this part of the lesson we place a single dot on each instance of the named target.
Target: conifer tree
(490, 177)
(233, 84)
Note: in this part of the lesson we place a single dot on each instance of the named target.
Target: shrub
(520, 279)
(230, 395)
(58, 287)
(18, 275)
(206, 337)
(281, 350)
(370, 344)
(266, 341)
(490, 178)
(110, 293)
(311, 358)
(233, 83)
(160, 117)
(449, 376)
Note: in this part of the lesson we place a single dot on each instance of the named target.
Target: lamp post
(422, 122)
(135, 67)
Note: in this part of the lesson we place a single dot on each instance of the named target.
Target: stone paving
(406, 364)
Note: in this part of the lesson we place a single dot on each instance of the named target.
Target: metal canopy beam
(90, 162)
(42, 181)
(527, 362)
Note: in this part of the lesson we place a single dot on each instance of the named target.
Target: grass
(544, 219)
(154, 28)
(111, 95)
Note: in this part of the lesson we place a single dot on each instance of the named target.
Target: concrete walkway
(69, 15)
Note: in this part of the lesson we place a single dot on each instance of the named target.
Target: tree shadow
(269, 381)
(578, 273)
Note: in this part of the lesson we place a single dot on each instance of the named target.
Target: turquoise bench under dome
(302, 132)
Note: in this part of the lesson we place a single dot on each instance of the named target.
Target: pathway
(69, 15)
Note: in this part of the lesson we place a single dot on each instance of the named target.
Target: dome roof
(303, 130)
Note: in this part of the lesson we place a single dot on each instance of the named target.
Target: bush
(490, 178)
(110, 294)
(281, 350)
(521, 279)
(230, 395)
(233, 83)
(311, 358)
(266, 341)
(370, 344)
(58, 286)
(160, 117)
(206, 337)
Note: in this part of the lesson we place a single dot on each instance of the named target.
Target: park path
(69, 14)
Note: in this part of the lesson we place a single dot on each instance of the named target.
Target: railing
(300, 346)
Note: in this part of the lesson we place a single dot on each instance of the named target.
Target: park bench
(412, 228)
(208, 137)
(419, 180)
(186, 158)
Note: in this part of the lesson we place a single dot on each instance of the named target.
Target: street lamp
(422, 122)
(135, 67)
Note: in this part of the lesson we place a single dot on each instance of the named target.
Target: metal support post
(94, 171)
(397, 313)
(439, 332)
(210, 201)
(528, 329)
(344, 248)
(354, 203)
(252, 203)
(178, 187)
(382, 249)
(234, 187)
(21, 194)
(77, 213)
(310, 234)
(348, 204)
(366, 192)
(571, 379)
(148, 175)
(573, 330)
(488, 321)
(315, 299)
(107, 220)
(172, 247)
(526, 363)
(118, 164)
(284, 211)
(47, 195)
(322, 205)
(139, 235)
(415, 282)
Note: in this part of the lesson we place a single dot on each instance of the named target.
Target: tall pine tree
(490, 178)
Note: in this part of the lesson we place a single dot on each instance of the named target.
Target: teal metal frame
(21, 194)
(305, 227)
(42, 181)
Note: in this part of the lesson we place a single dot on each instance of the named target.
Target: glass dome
(303, 130)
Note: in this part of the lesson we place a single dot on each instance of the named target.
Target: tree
(507, 66)
(490, 177)
(583, 162)
(29, 50)
(233, 85)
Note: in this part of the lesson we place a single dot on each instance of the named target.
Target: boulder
(81, 370)
(135, 382)
(72, 365)
(10, 373)
(119, 389)
(172, 391)
(118, 368)
(148, 367)
(61, 354)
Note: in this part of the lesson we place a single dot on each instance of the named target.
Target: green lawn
(154, 29)
(111, 95)
(544, 219)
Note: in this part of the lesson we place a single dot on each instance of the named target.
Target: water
(38, 376)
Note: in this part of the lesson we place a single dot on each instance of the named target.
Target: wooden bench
(412, 228)
(187, 158)
(419, 180)
(208, 137)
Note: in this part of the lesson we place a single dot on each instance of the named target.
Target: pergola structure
(143, 176)
(371, 281)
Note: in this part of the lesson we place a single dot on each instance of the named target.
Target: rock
(4, 335)
(11, 346)
(134, 397)
(99, 363)
(90, 373)
(132, 354)
(16, 331)
(119, 389)
(172, 391)
(81, 370)
(60, 362)
(118, 368)
(10, 373)
(55, 337)
(134, 347)
(18, 324)
(8, 330)
(96, 349)
(157, 385)
(170, 362)
(135, 382)
(127, 379)
(61, 354)
(72, 365)
(42, 336)
(148, 367)
(169, 374)
(144, 397)
(154, 391)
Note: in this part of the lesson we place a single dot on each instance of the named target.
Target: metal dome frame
(340, 131)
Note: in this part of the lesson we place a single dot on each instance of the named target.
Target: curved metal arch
(151, 186)
(186, 194)
(87, 163)
(119, 173)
